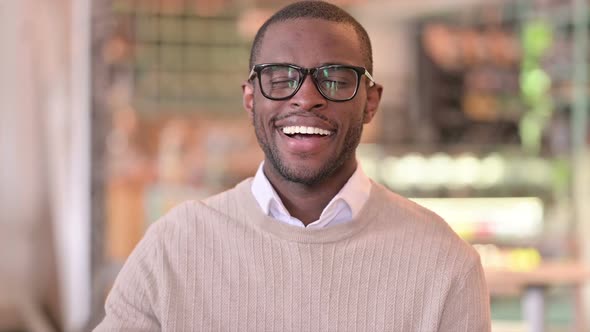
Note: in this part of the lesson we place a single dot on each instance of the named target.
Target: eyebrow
(336, 64)
(323, 64)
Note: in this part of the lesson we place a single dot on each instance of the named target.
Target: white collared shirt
(341, 209)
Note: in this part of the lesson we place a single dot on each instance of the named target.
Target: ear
(373, 99)
(248, 98)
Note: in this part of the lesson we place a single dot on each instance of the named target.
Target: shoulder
(421, 226)
(403, 207)
(191, 218)
(193, 210)
(230, 197)
(173, 225)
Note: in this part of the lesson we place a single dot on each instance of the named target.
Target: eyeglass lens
(338, 83)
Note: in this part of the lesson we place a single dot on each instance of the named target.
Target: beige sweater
(221, 265)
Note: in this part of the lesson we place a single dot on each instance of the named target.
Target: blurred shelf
(549, 274)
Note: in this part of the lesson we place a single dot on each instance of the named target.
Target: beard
(300, 173)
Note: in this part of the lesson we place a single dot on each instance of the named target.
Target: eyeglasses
(335, 82)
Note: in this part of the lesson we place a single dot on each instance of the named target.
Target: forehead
(310, 42)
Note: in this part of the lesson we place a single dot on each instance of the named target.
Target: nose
(308, 97)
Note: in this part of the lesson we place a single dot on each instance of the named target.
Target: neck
(307, 202)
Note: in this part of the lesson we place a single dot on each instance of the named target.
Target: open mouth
(305, 132)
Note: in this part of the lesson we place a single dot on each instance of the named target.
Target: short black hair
(320, 10)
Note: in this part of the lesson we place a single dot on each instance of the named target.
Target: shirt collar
(263, 191)
(342, 208)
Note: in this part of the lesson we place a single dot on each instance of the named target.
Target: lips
(305, 133)
(305, 130)
(305, 139)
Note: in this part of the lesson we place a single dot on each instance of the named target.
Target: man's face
(334, 128)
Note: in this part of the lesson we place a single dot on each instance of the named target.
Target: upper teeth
(305, 130)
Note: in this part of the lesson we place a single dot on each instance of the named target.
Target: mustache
(303, 114)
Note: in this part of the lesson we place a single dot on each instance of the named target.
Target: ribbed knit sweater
(222, 265)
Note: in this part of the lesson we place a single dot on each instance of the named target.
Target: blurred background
(113, 111)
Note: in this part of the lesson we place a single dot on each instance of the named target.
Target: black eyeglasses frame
(304, 72)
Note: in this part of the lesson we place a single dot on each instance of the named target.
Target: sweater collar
(251, 213)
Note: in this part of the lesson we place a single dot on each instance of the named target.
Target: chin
(304, 177)
(304, 173)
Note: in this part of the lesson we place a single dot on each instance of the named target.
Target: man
(309, 243)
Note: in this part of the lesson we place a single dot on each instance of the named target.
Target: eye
(333, 83)
(283, 83)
